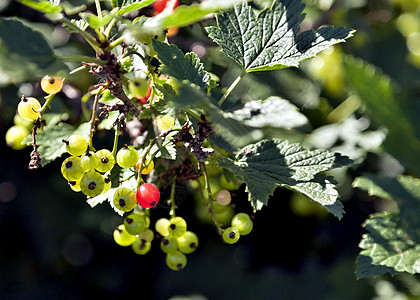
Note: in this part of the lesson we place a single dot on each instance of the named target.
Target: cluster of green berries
(175, 240)
(28, 111)
(241, 224)
(88, 172)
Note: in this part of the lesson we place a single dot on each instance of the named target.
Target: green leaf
(47, 7)
(392, 243)
(132, 6)
(271, 39)
(182, 67)
(388, 247)
(24, 53)
(185, 15)
(50, 139)
(385, 107)
(191, 98)
(269, 164)
(274, 112)
(94, 21)
(404, 190)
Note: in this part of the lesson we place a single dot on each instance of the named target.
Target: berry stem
(172, 199)
(92, 120)
(143, 157)
(209, 202)
(232, 86)
(116, 136)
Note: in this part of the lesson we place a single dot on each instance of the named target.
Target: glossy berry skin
(28, 107)
(141, 247)
(124, 199)
(106, 160)
(177, 226)
(76, 144)
(89, 161)
(51, 84)
(127, 157)
(15, 135)
(188, 242)
(92, 184)
(71, 168)
(148, 195)
(243, 223)
(160, 5)
(176, 260)
(122, 237)
(231, 235)
(138, 87)
(162, 226)
(135, 223)
(223, 197)
(169, 244)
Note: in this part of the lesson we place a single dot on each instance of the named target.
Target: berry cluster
(175, 242)
(138, 98)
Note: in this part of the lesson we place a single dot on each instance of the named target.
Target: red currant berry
(148, 195)
(160, 5)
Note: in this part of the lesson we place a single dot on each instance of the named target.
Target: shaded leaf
(269, 164)
(50, 139)
(388, 247)
(25, 55)
(182, 67)
(385, 108)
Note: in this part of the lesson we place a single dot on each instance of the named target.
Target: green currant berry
(19, 121)
(188, 242)
(106, 160)
(147, 235)
(89, 161)
(231, 235)
(107, 182)
(141, 246)
(92, 184)
(176, 260)
(122, 237)
(177, 226)
(169, 244)
(127, 157)
(75, 185)
(15, 136)
(138, 87)
(162, 226)
(223, 197)
(28, 108)
(124, 199)
(135, 223)
(71, 168)
(76, 144)
(243, 223)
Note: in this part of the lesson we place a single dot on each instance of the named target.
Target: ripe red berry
(148, 195)
(160, 5)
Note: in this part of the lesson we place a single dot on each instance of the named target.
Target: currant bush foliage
(203, 124)
(392, 240)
